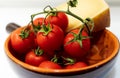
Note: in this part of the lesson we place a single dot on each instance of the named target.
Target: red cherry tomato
(49, 65)
(74, 47)
(60, 19)
(51, 40)
(34, 59)
(76, 65)
(22, 45)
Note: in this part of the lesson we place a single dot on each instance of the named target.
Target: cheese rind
(98, 10)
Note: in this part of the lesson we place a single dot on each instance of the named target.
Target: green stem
(33, 15)
(79, 18)
(47, 7)
(67, 12)
(88, 29)
(52, 11)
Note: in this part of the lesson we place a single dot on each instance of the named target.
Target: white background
(19, 11)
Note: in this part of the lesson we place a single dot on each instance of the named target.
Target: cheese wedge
(98, 10)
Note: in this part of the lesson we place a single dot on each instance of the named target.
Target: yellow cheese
(98, 10)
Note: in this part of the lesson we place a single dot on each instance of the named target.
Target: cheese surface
(98, 10)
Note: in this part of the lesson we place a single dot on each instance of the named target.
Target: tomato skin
(22, 46)
(52, 41)
(73, 48)
(60, 19)
(49, 65)
(76, 65)
(39, 21)
(33, 59)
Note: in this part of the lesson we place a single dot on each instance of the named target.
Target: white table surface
(21, 15)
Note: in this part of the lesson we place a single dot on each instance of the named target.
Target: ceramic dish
(107, 44)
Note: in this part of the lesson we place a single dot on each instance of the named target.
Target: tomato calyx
(38, 51)
(45, 29)
(78, 37)
(61, 60)
(58, 60)
(68, 61)
(37, 28)
(25, 32)
(55, 59)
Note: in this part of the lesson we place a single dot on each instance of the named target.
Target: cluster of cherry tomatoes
(45, 43)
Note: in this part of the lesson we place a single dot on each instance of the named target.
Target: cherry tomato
(35, 59)
(77, 46)
(76, 65)
(50, 40)
(49, 65)
(60, 19)
(22, 42)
